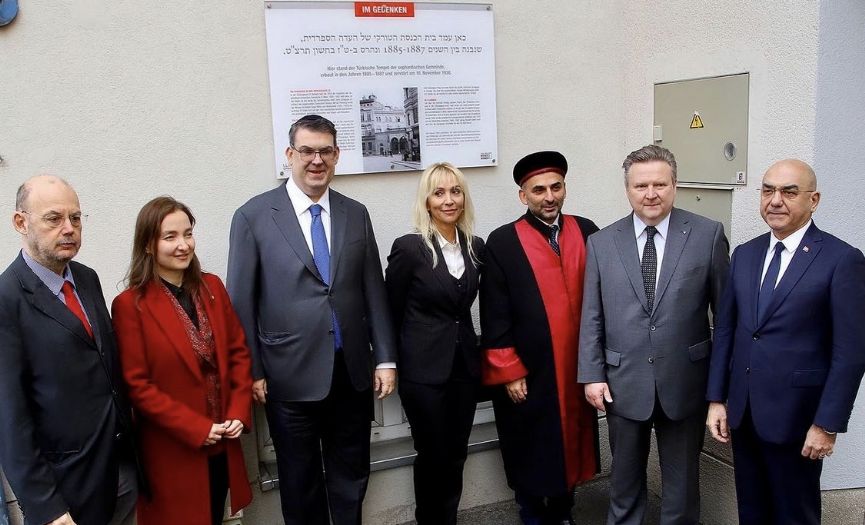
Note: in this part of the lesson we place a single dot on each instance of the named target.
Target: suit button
(748, 370)
(330, 332)
(458, 321)
(118, 436)
(652, 328)
(114, 393)
(756, 337)
(651, 360)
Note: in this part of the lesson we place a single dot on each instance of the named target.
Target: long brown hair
(143, 268)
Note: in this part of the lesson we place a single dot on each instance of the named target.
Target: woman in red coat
(186, 364)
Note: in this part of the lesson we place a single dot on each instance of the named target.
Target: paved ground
(590, 508)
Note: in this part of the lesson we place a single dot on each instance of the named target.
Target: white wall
(130, 99)
(840, 141)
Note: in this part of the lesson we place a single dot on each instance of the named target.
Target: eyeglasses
(308, 154)
(790, 194)
(56, 220)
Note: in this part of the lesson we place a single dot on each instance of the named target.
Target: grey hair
(649, 153)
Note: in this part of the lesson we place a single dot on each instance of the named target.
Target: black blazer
(429, 314)
(62, 413)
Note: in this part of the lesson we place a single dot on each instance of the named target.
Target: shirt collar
(301, 202)
(444, 242)
(53, 281)
(662, 227)
(792, 241)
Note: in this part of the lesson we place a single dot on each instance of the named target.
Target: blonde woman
(432, 281)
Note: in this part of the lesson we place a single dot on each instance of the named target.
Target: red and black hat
(537, 163)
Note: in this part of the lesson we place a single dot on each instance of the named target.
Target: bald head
(803, 171)
(37, 181)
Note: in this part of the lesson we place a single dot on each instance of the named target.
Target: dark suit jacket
(169, 394)
(285, 306)
(803, 363)
(61, 405)
(430, 316)
(637, 352)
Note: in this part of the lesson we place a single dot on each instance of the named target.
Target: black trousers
(322, 453)
(774, 483)
(441, 418)
(218, 474)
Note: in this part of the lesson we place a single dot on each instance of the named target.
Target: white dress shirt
(452, 255)
(791, 244)
(660, 240)
(301, 203)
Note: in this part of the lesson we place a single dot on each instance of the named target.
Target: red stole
(560, 282)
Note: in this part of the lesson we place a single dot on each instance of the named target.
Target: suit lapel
(755, 264)
(286, 222)
(626, 244)
(338, 221)
(804, 255)
(43, 300)
(677, 236)
(218, 328)
(157, 303)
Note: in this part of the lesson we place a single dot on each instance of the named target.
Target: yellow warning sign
(696, 122)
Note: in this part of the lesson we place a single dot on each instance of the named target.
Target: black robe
(530, 301)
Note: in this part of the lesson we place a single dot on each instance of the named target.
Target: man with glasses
(789, 352)
(64, 439)
(305, 277)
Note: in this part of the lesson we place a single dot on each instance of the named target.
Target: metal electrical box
(704, 122)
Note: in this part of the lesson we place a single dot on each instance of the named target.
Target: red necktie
(73, 305)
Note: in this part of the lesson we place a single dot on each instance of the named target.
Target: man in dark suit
(64, 440)
(644, 338)
(789, 352)
(305, 278)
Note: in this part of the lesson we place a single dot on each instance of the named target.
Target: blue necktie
(768, 286)
(321, 256)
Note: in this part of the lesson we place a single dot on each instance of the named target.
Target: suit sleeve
(375, 295)
(400, 266)
(720, 269)
(591, 367)
(500, 363)
(242, 281)
(239, 365)
(847, 296)
(30, 476)
(176, 418)
(722, 340)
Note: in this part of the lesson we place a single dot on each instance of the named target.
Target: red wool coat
(168, 394)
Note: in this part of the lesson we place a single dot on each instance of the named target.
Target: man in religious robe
(530, 300)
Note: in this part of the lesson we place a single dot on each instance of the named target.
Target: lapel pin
(806, 249)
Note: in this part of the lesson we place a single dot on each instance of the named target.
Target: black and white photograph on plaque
(390, 130)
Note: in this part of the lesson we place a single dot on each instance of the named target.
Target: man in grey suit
(645, 339)
(305, 277)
